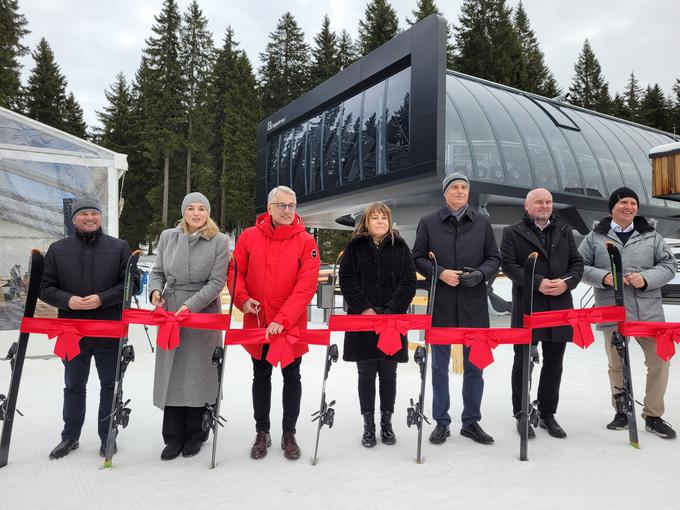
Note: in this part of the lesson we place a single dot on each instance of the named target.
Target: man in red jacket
(278, 266)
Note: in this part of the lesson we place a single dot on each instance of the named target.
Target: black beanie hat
(621, 193)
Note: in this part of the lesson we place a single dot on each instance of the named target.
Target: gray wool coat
(194, 269)
(645, 252)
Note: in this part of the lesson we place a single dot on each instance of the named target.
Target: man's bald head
(539, 205)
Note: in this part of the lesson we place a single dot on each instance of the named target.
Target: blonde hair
(361, 229)
(207, 231)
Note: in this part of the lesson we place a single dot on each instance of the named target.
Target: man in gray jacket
(648, 264)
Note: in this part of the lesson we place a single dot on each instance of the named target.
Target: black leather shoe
(620, 422)
(439, 434)
(191, 449)
(171, 451)
(102, 449)
(64, 448)
(531, 434)
(548, 423)
(475, 432)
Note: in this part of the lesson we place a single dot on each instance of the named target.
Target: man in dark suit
(559, 268)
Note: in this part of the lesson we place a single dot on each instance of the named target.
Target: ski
(212, 419)
(624, 399)
(16, 356)
(326, 414)
(415, 413)
(120, 413)
(529, 413)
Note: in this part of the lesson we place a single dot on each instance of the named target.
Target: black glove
(470, 277)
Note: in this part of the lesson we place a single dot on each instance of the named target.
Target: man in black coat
(467, 256)
(84, 278)
(559, 268)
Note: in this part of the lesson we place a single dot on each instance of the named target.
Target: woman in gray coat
(189, 273)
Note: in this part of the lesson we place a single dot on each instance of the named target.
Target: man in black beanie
(648, 264)
(84, 278)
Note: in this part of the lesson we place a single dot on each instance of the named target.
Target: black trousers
(76, 374)
(262, 393)
(549, 382)
(387, 372)
(182, 425)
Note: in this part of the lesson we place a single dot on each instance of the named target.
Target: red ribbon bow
(666, 334)
(280, 345)
(579, 319)
(68, 332)
(481, 341)
(169, 324)
(388, 327)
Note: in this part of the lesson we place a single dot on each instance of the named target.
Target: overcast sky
(95, 39)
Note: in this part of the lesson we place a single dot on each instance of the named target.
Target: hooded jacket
(279, 268)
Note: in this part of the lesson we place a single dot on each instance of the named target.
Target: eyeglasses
(282, 207)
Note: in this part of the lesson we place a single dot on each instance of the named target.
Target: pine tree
(588, 87)
(379, 26)
(163, 96)
(675, 108)
(654, 110)
(284, 72)
(536, 77)
(486, 43)
(121, 132)
(347, 51)
(633, 94)
(46, 90)
(619, 108)
(12, 30)
(324, 54)
(197, 54)
(73, 118)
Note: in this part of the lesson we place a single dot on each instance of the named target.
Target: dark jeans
(76, 373)
(549, 382)
(262, 393)
(473, 387)
(387, 371)
(183, 425)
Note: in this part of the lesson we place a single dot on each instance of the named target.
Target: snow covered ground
(591, 468)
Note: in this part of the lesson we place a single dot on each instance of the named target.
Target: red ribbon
(68, 332)
(281, 345)
(169, 324)
(580, 320)
(388, 327)
(481, 341)
(666, 333)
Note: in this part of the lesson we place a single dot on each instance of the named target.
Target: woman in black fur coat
(377, 276)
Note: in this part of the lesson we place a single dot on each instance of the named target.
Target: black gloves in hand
(470, 277)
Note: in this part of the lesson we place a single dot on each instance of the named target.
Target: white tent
(42, 170)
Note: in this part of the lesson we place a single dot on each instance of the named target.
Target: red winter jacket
(279, 267)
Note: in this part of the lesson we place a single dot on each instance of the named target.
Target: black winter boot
(368, 439)
(386, 433)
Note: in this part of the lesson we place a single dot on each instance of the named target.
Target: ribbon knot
(67, 345)
(168, 327)
(481, 346)
(581, 320)
(389, 334)
(664, 342)
(281, 347)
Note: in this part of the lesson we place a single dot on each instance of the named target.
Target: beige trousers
(657, 373)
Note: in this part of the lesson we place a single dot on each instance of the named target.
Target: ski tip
(108, 464)
(635, 445)
(341, 253)
(533, 255)
(136, 253)
(36, 251)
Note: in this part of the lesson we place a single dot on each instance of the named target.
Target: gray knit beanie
(195, 198)
(451, 178)
(83, 204)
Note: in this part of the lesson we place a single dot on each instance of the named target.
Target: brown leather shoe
(290, 448)
(262, 441)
